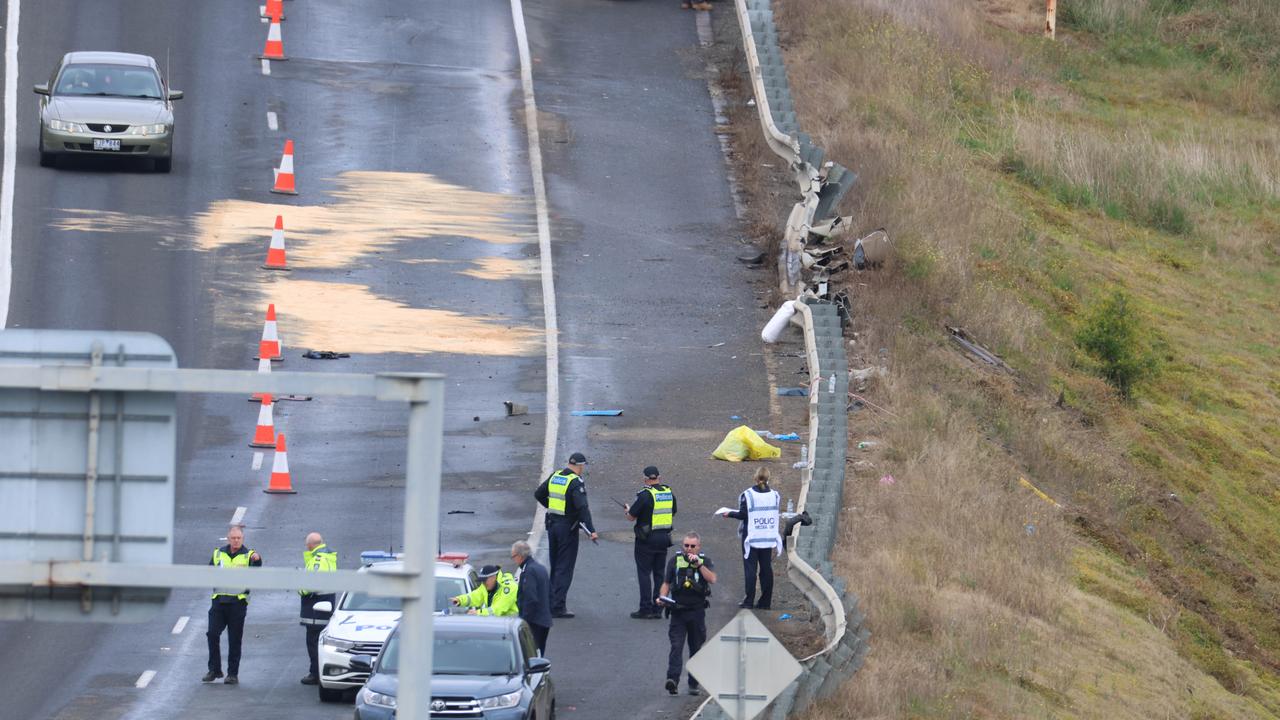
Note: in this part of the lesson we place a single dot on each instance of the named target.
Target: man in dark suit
(534, 594)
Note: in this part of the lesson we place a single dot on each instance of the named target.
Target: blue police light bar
(369, 557)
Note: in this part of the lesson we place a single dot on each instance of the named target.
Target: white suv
(361, 623)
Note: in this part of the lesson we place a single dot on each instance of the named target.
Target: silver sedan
(107, 103)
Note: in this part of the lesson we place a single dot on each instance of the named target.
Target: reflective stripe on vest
(663, 502)
(557, 489)
(221, 559)
(322, 559)
(762, 521)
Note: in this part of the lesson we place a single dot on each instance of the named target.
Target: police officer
(653, 511)
(318, 557)
(689, 578)
(496, 596)
(564, 495)
(759, 512)
(228, 608)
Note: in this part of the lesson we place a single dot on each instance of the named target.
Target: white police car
(360, 623)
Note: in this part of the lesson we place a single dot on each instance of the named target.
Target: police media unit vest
(663, 503)
(221, 559)
(557, 490)
(763, 522)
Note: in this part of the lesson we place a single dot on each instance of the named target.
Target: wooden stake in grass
(1051, 19)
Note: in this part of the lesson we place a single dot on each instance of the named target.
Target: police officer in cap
(564, 495)
(229, 607)
(318, 557)
(495, 596)
(684, 593)
(653, 511)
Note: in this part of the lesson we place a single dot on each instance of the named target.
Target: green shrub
(1113, 337)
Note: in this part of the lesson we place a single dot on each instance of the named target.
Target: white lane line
(257, 461)
(544, 256)
(273, 122)
(238, 517)
(145, 679)
(10, 155)
(181, 625)
(266, 66)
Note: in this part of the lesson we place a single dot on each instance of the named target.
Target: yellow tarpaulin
(742, 443)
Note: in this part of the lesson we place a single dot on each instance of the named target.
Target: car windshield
(458, 653)
(108, 80)
(446, 588)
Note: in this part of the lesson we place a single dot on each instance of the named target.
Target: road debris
(773, 329)
(793, 392)
(596, 413)
(742, 443)
(324, 355)
(514, 408)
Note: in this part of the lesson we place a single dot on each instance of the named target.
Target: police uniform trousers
(540, 633)
(313, 647)
(562, 544)
(651, 563)
(763, 559)
(226, 613)
(687, 626)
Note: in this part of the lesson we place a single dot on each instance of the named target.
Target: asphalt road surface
(414, 249)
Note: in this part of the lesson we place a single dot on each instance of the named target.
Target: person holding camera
(684, 593)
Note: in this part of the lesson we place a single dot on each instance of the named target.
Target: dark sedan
(484, 667)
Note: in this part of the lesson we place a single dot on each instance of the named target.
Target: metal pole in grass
(1051, 19)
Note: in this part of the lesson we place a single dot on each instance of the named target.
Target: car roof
(443, 569)
(111, 58)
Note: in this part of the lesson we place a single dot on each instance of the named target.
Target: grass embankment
(1025, 182)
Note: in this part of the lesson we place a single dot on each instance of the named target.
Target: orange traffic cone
(274, 10)
(264, 366)
(274, 47)
(284, 175)
(265, 434)
(275, 251)
(280, 482)
(269, 346)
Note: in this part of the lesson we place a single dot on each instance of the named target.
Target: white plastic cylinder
(773, 329)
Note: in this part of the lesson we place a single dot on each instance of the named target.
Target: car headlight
(70, 127)
(336, 643)
(377, 699)
(156, 129)
(499, 702)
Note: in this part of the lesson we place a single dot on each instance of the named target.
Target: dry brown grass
(972, 615)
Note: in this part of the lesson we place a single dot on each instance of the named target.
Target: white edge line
(266, 66)
(273, 122)
(238, 517)
(550, 323)
(181, 625)
(145, 679)
(10, 156)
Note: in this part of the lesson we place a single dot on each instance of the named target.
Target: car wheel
(553, 710)
(47, 159)
(164, 165)
(330, 695)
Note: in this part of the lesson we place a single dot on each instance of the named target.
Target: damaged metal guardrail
(822, 183)
(812, 220)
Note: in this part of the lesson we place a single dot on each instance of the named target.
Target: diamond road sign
(744, 667)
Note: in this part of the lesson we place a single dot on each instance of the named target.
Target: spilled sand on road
(501, 268)
(350, 318)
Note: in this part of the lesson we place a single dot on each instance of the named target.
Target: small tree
(1113, 337)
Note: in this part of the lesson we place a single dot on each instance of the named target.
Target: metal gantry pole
(421, 518)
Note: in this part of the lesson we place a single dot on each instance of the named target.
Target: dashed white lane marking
(273, 122)
(181, 625)
(10, 155)
(145, 679)
(544, 255)
(266, 66)
(237, 518)
(257, 461)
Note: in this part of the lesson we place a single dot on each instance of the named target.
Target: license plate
(106, 144)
